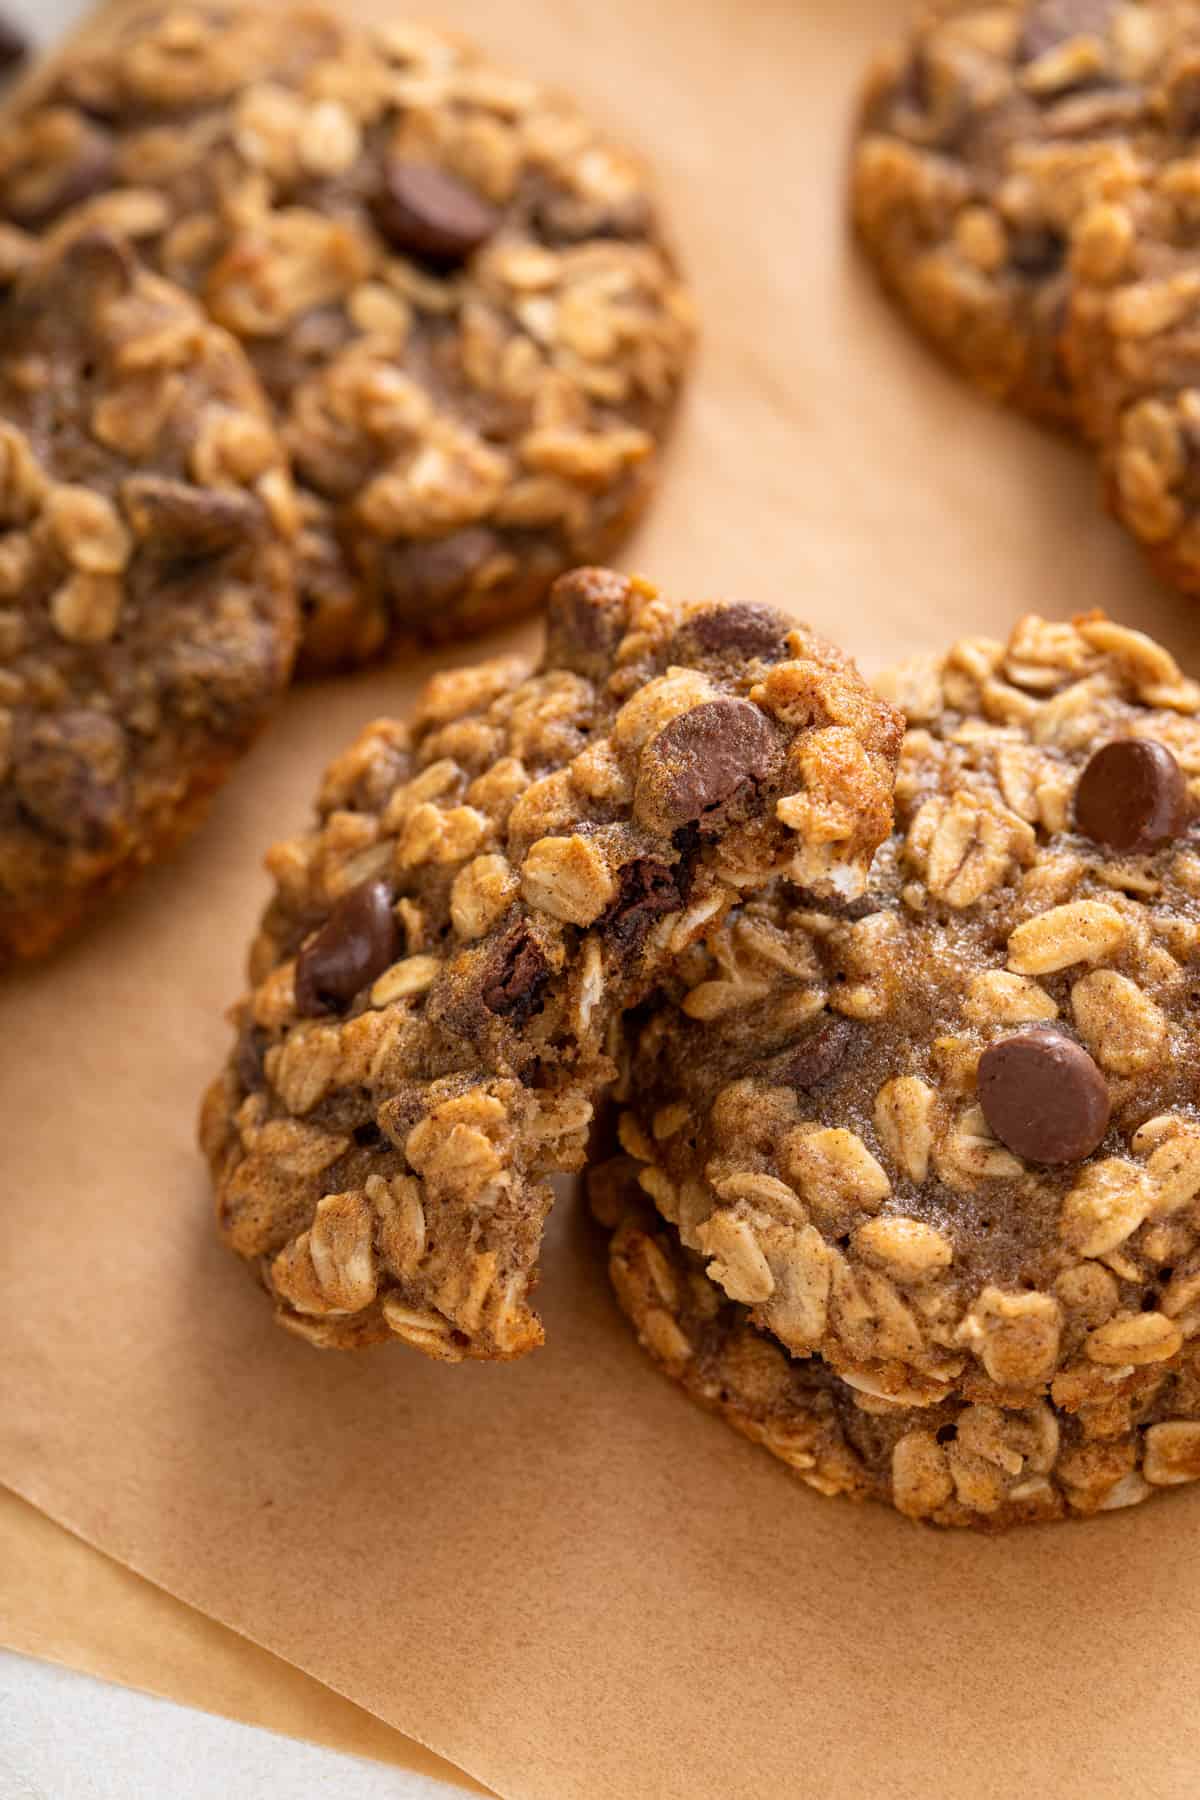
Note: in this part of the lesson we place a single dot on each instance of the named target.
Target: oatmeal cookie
(147, 615)
(948, 1137)
(983, 1465)
(455, 291)
(982, 140)
(1132, 346)
(439, 980)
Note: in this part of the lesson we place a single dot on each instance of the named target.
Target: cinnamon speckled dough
(947, 1138)
(981, 141)
(438, 983)
(454, 289)
(978, 1465)
(147, 614)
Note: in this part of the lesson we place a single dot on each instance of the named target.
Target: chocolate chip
(708, 757)
(513, 988)
(357, 942)
(738, 631)
(427, 575)
(182, 520)
(14, 45)
(586, 617)
(1049, 23)
(646, 890)
(815, 1056)
(424, 212)
(1043, 1096)
(1131, 796)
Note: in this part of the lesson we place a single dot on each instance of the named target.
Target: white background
(64, 1736)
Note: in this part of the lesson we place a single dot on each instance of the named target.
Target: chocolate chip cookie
(947, 1137)
(981, 142)
(455, 290)
(439, 980)
(978, 1464)
(147, 615)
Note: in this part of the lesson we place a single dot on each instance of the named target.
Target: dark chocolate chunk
(358, 941)
(586, 618)
(646, 890)
(424, 212)
(1132, 796)
(1043, 1096)
(739, 631)
(705, 758)
(513, 988)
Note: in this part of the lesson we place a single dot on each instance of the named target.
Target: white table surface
(64, 1736)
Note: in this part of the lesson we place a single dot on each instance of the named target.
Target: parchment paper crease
(556, 1573)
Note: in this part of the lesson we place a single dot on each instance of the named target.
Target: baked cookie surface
(455, 291)
(948, 1138)
(982, 140)
(147, 614)
(979, 1465)
(439, 980)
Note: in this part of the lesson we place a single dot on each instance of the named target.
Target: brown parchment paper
(556, 1573)
(65, 1602)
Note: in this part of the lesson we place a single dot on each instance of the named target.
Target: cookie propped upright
(439, 980)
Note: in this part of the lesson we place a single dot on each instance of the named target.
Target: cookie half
(439, 981)
(981, 141)
(947, 1138)
(455, 290)
(147, 614)
(980, 1465)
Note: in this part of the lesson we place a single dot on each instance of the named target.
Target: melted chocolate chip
(586, 618)
(424, 212)
(815, 1056)
(1131, 796)
(1049, 23)
(513, 988)
(706, 758)
(738, 631)
(357, 942)
(1043, 1096)
(646, 890)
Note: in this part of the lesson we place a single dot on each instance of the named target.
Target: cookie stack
(909, 1175)
(1026, 179)
(247, 246)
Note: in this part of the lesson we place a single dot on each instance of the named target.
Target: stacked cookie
(909, 1175)
(1025, 178)
(910, 1189)
(442, 294)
